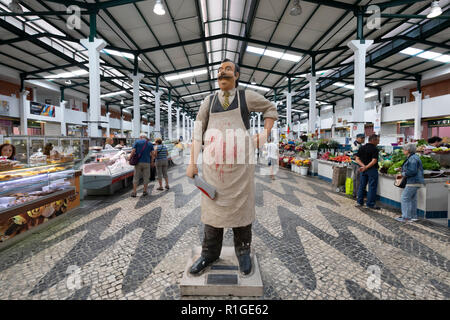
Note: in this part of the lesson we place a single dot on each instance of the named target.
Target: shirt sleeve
(201, 119)
(257, 103)
(375, 153)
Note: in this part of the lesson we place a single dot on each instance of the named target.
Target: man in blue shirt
(144, 148)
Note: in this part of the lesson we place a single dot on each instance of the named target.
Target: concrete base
(222, 278)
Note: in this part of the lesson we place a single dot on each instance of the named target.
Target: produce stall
(106, 171)
(33, 195)
(432, 198)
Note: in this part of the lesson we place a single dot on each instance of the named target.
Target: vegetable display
(429, 163)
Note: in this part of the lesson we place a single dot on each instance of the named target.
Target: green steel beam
(68, 3)
(334, 4)
(39, 14)
(390, 4)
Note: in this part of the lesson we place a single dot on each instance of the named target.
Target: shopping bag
(152, 173)
(349, 186)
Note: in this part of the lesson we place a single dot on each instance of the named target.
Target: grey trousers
(213, 237)
(356, 179)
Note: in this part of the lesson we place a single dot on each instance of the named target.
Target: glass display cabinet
(105, 170)
(33, 195)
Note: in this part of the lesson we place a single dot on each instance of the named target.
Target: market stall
(432, 198)
(106, 171)
(31, 195)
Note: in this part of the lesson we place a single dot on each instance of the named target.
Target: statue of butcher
(228, 165)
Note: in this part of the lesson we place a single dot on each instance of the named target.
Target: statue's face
(227, 76)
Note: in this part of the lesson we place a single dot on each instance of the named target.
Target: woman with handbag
(412, 171)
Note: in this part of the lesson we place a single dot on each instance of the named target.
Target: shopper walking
(367, 158)
(161, 162)
(412, 169)
(356, 145)
(143, 148)
(272, 156)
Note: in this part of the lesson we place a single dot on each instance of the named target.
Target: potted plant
(304, 167)
(333, 145)
(313, 146)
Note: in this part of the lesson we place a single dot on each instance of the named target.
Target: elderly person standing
(412, 169)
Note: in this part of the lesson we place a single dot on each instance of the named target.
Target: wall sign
(42, 109)
(4, 107)
(439, 123)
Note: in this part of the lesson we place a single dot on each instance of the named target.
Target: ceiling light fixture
(159, 8)
(435, 10)
(112, 94)
(253, 81)
(296, 9)
(68, 82)
(193, 80)
(15, 7)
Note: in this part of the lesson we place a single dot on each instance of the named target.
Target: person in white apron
(229, 169)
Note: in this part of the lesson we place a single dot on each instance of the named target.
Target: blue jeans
(409, 202)
(371, 177)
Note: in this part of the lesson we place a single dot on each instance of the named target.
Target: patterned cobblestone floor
(311, 244)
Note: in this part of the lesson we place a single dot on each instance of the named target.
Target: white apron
(234, 205)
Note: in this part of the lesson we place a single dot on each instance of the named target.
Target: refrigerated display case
(33, 195)
(26, 146)
(106, 171)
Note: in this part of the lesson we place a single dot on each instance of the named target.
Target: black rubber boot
(242, 242)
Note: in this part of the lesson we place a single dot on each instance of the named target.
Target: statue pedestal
(222, 278)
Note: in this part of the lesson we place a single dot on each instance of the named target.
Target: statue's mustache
(224, 76)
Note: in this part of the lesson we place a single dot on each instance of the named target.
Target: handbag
(400, 182)
(134, 160)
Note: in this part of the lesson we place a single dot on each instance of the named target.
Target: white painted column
(298, 129)
(188, 125)
(333, 125)
(360, 50)
(148, 128)
(289, 111)
(62, 108)
(184, 126)
(391, 97)
(94, 49)
(157, 127)
(312, 104)
(253, 125)
(418, 115)
(259, 122)
(34, 90)
(169, 113)
(24, 109)
(121, 126)
(136, 124)
(178, 123)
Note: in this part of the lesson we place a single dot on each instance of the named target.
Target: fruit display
(345, 159)
(441, 150)
(325, 156)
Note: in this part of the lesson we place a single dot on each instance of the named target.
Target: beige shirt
(255, 103)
